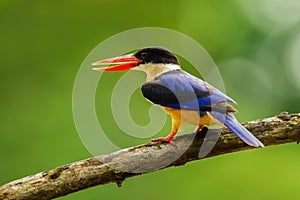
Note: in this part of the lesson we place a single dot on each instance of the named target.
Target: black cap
(158, 55)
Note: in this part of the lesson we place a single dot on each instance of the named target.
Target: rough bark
(118, 166)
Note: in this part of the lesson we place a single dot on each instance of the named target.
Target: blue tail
(232, 123)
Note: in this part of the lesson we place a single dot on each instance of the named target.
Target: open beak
(120, 63)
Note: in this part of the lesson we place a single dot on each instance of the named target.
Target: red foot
(163, 140)
(168, 139)
(198, 129)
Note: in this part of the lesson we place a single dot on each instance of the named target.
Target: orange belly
(190, 117)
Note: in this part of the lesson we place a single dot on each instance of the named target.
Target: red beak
(120, 63)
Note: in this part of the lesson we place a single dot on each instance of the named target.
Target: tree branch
(118, 166)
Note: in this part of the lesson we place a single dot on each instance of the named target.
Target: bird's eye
(143, 55)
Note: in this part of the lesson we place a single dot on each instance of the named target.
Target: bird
(186, 98)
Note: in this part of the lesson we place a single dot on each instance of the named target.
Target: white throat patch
(154, 70)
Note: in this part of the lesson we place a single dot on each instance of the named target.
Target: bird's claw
(164, 140)
(198, 129)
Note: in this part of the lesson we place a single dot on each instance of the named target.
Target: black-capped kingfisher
(186, 98)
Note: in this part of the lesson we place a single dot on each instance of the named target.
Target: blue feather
(199, 102)
(231, 122)
(184, 83)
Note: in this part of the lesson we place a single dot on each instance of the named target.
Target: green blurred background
(255, 44)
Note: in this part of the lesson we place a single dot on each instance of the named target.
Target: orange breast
(191, 117)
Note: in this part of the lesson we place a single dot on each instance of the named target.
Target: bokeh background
(256, 46)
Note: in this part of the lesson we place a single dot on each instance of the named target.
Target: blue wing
(178, 89)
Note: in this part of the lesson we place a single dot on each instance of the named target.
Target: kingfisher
(186, 98)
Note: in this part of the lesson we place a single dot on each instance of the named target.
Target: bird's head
(152, 60)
